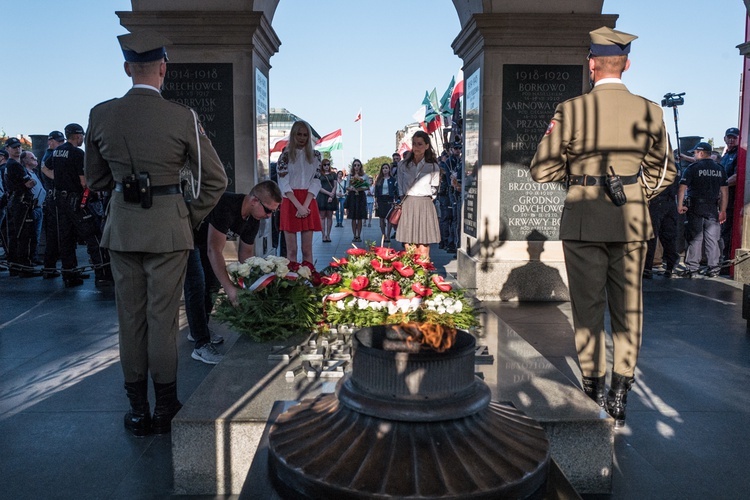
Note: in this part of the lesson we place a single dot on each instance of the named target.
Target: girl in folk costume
(418, 179)
(299, 180)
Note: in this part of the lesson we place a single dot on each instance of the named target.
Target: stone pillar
(517, 67)
(219, 62)
(220, 55)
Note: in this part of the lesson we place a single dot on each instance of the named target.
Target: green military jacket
(144, 132)
(607, 127)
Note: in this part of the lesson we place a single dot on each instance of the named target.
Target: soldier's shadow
(535, 281)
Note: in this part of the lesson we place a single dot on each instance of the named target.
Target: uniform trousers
(447, 237)
(148, 288)
(702, 232)
(601, 274)
(664, 221)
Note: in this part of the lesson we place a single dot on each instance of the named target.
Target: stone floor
(61, 397)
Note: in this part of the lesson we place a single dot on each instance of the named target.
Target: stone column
(517, 67)
(218, 65)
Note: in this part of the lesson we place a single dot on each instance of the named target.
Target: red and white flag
(359, 116)
(278, 145)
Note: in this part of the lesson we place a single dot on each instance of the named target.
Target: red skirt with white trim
(288, 215)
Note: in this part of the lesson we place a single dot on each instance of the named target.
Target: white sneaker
(208, 354)
(215, 338)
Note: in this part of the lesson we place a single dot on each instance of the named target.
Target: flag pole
(360, 134)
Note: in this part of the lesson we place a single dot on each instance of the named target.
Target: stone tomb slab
(217, 433)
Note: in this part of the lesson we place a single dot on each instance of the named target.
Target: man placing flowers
(207, 271)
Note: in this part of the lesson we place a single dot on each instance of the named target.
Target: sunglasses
(267, 210)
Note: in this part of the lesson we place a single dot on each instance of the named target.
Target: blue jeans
(200, 287)
(340, 212)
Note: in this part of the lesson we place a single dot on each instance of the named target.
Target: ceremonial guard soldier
(611, 148)
(137, 145)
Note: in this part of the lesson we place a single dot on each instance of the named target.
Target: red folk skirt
(288, 215)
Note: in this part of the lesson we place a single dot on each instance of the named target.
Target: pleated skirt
(288, 212)
(419, 222)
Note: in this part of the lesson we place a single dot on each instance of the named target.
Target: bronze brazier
(408, 425)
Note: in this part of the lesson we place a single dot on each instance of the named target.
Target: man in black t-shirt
(705, 183)
(239, 214)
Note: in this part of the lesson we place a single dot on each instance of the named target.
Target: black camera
(673, 100)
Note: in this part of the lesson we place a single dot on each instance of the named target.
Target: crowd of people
(47, 209)
(694, 215)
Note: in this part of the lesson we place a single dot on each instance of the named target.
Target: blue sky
(338, 56)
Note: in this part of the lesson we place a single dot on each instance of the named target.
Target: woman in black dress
(327, 202)
(356, 199)
(385, 192)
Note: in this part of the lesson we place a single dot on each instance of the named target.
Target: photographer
(705, 183)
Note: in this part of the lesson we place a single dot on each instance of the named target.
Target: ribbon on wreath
(264, 281)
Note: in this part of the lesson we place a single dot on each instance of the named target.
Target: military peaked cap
(608, 42)
(143, 46)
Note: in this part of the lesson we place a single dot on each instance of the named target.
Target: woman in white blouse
(418, 179)
(299, 180)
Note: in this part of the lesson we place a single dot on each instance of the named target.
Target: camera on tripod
(673, 100)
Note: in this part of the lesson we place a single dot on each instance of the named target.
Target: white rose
(232, 267)
(441, 310)
(244, 270)
(459, 306)
(438, 298)
(282, 271)
(305, 272)
(362, 303)
(350, 303)
(340, 304)
(451, 309)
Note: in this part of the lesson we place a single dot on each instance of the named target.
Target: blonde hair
(308, 149)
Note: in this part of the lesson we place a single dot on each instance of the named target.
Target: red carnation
(380, 267)
(421, 290)
(356, 252)
(405, 271)
(330, 280)
(390, 289)
(316, 278)
(442, 285)
(360, 283)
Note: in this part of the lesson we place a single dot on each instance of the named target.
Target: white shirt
(425, 185)
(299, 174)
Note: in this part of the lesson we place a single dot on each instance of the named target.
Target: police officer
(705, 183)
(444, 202)
(729, 162)
(55, 139)
(19, 185)
(664, 217)
(605, 225)
(138, 144)
(73, 220)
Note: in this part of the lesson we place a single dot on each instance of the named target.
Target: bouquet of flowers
(383, 286)
(360, 183)
(277, 298)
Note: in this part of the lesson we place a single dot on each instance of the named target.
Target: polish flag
(359, 116)
(458, 89)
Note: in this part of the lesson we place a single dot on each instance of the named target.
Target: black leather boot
(594, 387)
(138, 418)
(617, 399)
(166, 407)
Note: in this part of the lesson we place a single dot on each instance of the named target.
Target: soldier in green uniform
(136, 146)
(604, 229)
